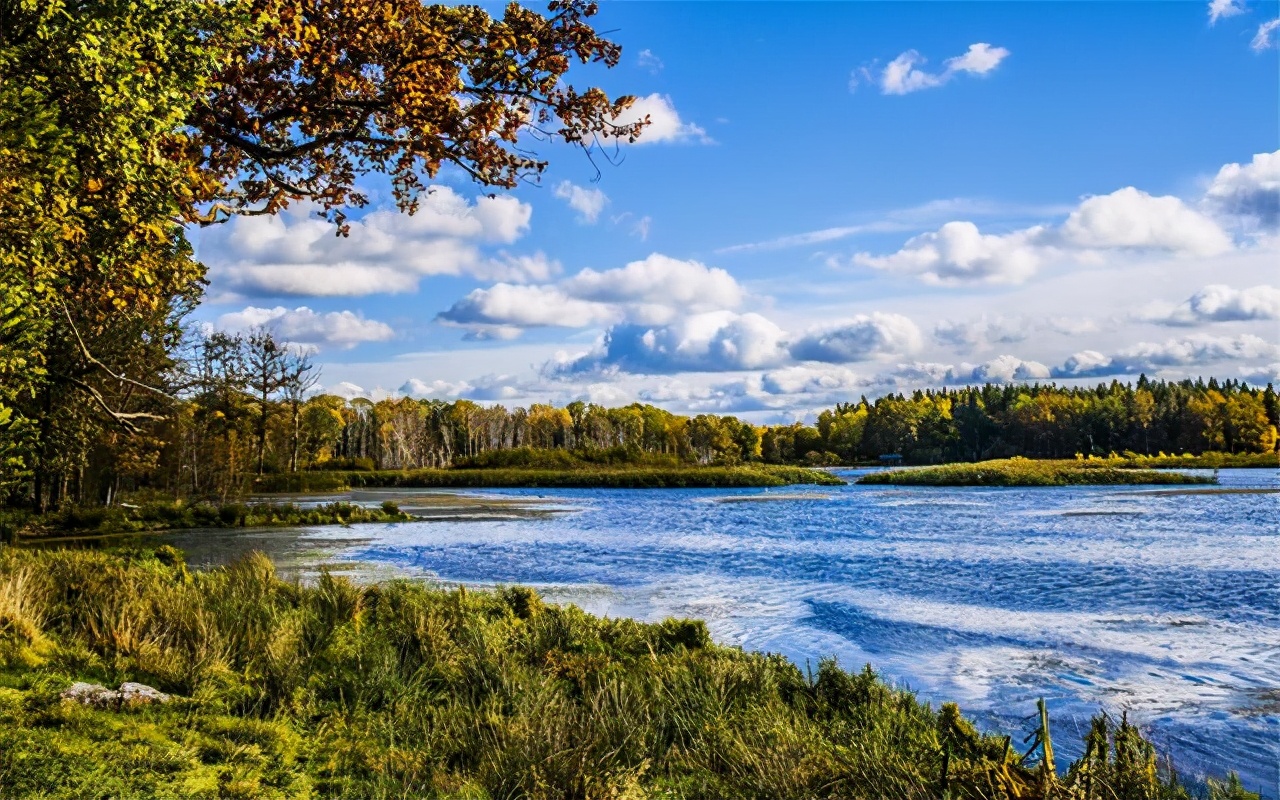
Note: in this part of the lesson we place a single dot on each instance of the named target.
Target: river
(1162, 603)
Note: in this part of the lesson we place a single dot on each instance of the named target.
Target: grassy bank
(401, 691)
(1025, 472)
(1211, 460)
(574, 477)
(179, 515)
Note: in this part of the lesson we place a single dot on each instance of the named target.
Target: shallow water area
(1164, 604)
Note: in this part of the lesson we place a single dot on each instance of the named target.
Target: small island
(1027, 472)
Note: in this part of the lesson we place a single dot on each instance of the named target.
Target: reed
(400, 690)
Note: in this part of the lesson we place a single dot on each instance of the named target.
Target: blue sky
(833, 199)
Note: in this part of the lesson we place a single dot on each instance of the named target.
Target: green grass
(1025, 472)
(399, 691)
(1211, 460)
(576, 477)
(176, 515)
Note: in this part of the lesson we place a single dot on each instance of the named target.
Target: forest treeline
(247, 407)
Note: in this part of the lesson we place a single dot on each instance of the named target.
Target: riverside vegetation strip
(399, 690)
(1025, 472)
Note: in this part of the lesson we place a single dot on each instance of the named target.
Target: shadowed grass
(1025, 472)
(398, 690)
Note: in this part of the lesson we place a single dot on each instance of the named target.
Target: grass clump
(570, 476)
(176, 515)
(398, 690)
(1018, 471)
(1209, 460)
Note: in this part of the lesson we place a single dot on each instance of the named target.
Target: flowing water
(1163, 603)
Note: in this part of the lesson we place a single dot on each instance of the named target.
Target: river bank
(281, 690)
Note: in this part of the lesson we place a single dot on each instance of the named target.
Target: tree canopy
(124, 121)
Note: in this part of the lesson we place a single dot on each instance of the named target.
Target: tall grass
(1026, 472)
(588, 476)
(397, 691)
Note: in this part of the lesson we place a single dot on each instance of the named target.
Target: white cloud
(858, 339)
(1224, 8)
(1269, 373)
(1250, 192)
(812, 379)
(1001, 369)
(659, 280)
(488, 388)
(344, 329)
(1125, 220)
(905, 74)
(1264, 39)
(665, 124)
(983, 332)
(716, 341)
(653, 291)
(979, 59)
(587, 202)
(1219, 303)
(960, 253)
(1129, 218)
(646, 59)
(516, 306)
(1192, 351)
(720, 341)
(295, 253)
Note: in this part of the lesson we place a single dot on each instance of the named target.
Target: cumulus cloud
(294, 253)
(905, 74)
(1125, 220)
(587, 202)
(858, 339)
(960, 253)
(1192, 351)
(1001, 369)
(716, 341)
(665, 124)
(1224, 8)
(725, 341)
(659, 280)
(512, 306)
(651, 291)
(1129, 218)
(1264, 39)
(488, 388)
(343, 329)
(1249, 192)
(1219, 303)
(812, 380)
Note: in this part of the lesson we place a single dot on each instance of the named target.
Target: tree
(315, 95)
(265, 362)
(120, 120)
(300, 377)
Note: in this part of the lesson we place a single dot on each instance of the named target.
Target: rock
(91, 694)
(99, 696)
(139, 694)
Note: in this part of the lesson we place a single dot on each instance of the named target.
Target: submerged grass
(586, 476)
(1025, 472)
(398, 690)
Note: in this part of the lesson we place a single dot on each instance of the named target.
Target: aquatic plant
(401, 690)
